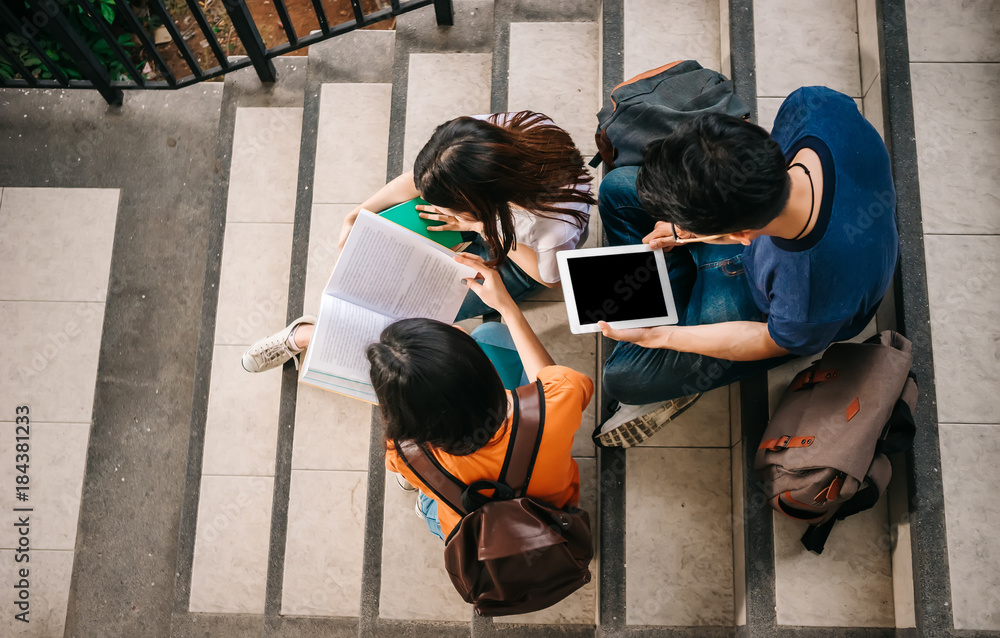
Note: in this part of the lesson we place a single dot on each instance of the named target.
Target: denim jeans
(517, 282)
(709, 286)
(429, 508)
(495, 340)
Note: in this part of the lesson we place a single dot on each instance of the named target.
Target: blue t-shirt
(826, 286)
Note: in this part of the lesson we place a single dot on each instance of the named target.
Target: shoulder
(809, 105)
(562, 383)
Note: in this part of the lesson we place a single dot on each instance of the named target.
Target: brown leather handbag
(510, 553)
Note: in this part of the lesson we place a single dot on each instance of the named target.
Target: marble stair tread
(46, 233)
(957, 129)
(554, 70)
(799, 44)
(352, 141)
(967, 31)
(415, 585)
(848, 585)
(324, 544)
(265, 164)
(690, 30)
(440, 87)
(229, 569)
(971, 517)
(679, 539)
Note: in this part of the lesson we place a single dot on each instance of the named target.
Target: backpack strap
(445, 486)
(522, 451)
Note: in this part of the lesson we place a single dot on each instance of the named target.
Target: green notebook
(407, 216)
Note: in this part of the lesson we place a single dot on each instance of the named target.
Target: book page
(396, 272)
(343, 332)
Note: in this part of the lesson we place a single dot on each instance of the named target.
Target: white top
(552, 233)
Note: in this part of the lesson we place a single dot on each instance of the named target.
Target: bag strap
(518, 465)
(522, 450)
(421, 462)
(900, 429)
(876, 482)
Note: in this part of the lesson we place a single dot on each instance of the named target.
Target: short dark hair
(714, 174)
(435, 385)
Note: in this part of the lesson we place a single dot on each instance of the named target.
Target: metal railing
(55, 43)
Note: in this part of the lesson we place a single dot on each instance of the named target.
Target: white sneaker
(405, 485)
(273, 351)
(632, 424)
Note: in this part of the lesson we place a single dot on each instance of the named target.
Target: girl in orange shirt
(436, 386)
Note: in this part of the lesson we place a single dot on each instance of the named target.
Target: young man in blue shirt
(776, 246)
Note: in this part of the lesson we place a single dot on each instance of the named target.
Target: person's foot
(274, 350)
(632, 424)
(405, 485)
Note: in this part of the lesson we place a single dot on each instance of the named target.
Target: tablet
(627, 286)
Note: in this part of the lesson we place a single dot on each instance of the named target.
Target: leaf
(108, 11)
(32, 61)
(73, 74)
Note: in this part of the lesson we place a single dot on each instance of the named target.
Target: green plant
(84, 26)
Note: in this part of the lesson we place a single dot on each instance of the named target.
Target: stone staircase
(264, 506)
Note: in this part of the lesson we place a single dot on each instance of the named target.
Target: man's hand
(655, 337)
(661, 237)
(452, 220)
(491, 290)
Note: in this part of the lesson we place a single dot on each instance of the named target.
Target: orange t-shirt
(556, 477)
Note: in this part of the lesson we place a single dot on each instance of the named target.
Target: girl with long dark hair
(515, 186)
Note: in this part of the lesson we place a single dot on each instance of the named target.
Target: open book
(384, 274)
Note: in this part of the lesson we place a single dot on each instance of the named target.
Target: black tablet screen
(620, 287)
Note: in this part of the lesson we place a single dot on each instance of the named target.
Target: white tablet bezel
(576, 327)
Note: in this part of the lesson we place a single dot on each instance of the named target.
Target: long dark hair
(435, 385)
(482, 168)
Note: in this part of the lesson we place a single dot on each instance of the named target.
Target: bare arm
(533, 354)
(732, 340)
(395, 192)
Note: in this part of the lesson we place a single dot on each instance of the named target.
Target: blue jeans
(709, 285)
(495, 340)
(517, 282)
(429, 508)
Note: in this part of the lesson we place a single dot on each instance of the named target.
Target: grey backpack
(824, 454)
(651, 105)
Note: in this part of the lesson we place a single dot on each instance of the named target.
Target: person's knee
(618, 187)
(493, 333)
(626, 383)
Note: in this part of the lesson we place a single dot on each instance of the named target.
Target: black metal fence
(104, 45)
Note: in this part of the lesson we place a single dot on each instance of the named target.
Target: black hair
(435, 385)
(714, 174)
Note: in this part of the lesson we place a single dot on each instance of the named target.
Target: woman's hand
(451, 219)
(491, 290)
(345, 230)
